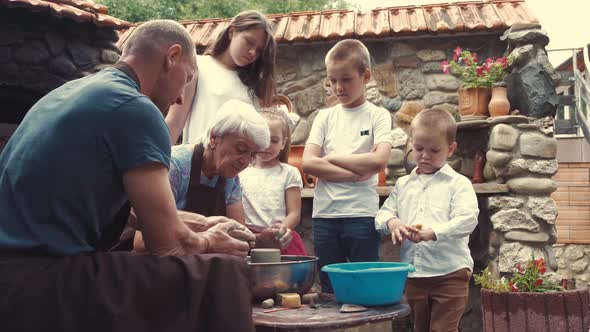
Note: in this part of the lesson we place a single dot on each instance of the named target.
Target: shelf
(480, 188)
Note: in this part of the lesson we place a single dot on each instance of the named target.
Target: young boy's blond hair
(350, 49)
(436, 119)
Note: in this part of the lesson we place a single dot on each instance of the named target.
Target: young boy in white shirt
(432, 212)
(347, 146)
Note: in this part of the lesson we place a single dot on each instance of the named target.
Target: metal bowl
(293, 274)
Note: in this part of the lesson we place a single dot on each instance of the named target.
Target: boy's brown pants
(438, 302)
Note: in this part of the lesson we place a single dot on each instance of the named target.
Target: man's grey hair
(238, 118)
(152, 36)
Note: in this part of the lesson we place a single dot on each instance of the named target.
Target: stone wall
(39, 52)
(523, 222)
(402, 70)
(572, 260)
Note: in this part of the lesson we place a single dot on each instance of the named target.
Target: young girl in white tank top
(271, 188)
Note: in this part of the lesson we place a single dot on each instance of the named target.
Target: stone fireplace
(43, 47)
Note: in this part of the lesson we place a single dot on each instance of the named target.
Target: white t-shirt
(348, 130)
(263, 192)
(216, 85)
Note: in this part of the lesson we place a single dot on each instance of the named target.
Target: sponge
(289, 300)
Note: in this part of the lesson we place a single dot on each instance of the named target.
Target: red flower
(457, 53)
(474, 56)
(503, 61)
(542, 269)
(538, 282)
(519, 268)
(482, 70)
(513, 287)
(445, 66)
(540, 264)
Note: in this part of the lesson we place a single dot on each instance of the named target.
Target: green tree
(143, 10)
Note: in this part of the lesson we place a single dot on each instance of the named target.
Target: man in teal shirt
(81, 157)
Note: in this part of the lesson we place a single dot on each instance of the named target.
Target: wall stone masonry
(520, 166)
(538, 145)
(402, 70)
(573, 261)
(498, 158)
(39, 52)
(523, 157)
(511, 219)
(506, 202)
(532, 185)
(543, 208)
(503, 137)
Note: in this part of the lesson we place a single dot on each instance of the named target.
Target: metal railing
(582, 92)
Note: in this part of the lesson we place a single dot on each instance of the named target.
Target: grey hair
(238, 118)
(153, 36)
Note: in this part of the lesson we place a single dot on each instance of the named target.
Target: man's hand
(233, 229)
(198, 223)
(398, 231)
(218, 241)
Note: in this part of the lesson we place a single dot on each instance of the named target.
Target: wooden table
(329, 318)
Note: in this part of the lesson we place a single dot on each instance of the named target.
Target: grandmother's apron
(123, 291)
(203, 199)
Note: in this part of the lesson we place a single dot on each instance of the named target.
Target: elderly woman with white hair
(204, 176)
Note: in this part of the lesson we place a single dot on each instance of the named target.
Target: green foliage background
(143, 10)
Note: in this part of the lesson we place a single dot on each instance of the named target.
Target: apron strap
(202, 199)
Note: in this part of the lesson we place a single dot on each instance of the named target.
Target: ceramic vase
(499, 104)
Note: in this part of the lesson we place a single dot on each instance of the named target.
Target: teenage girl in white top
(239, 64)
(271, 188)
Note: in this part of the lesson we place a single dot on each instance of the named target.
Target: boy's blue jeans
(339, 240)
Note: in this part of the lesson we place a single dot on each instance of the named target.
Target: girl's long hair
(275, 113)
(259, 75)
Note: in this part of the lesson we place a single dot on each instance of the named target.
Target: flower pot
(473, 102)
(522, 311)
(499, 104)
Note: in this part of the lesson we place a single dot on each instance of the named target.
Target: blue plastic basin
(369, 283)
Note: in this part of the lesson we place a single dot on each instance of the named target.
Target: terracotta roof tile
(374, 23)
(464, 16)
(303, 26)
(337, 24)
(279, 26)
(81, 11)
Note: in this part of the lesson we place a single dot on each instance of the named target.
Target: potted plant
(529, 301)
(478, 80)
